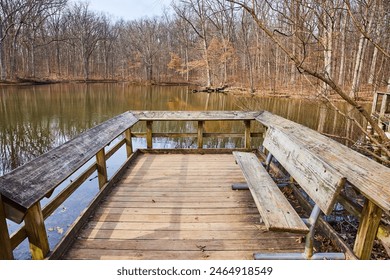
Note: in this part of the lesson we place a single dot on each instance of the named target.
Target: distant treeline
(209, 42)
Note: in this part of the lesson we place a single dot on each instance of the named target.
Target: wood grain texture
(274, 208)
(29, 183)
(317, 177)
(180, 216)
(369, 177)
(194, 115)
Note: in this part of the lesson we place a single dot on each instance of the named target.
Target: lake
(35, 119)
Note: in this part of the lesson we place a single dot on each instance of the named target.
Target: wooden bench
(318, 179)
(274, 208)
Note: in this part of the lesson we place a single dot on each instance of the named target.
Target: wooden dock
(179, 203)
(178, 206)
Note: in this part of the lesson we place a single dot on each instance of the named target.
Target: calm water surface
(35, 119)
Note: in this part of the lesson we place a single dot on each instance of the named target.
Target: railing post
(5, 242)
(36, 232)
(149, 136)
(200, 134)
(383, 105)
(101, 168)
(368, 228)
(129, 143)
(247, 134)
(375, 100)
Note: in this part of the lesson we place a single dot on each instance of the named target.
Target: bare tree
(86, 30)
(307, 68)
(195, 13)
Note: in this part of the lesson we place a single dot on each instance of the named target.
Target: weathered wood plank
(369, 177)
(183, 199)
(119, 212)
(274, 208)
(160, 255)
(177, 215)
(176, 226)
(194, 135)
(276, 243)
(92, 233)
(194, 151)
(194, 115)
(317, 177)
(31, 182)
(173, 204)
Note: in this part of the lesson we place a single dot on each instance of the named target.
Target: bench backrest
(319, 179)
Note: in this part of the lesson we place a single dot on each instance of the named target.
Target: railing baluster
(129, 143)
(200, 134)
(247, 134)
(5, 241)
(149, 132)
(101, 168)
(36, 232)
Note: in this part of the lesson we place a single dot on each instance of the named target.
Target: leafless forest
(208, 42)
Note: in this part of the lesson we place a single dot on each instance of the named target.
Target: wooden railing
(23, 188)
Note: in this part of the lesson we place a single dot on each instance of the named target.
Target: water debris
(59, 230)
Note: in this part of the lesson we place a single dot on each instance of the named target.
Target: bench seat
(275, 210)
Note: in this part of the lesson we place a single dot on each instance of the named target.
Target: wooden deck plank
(85, 254)
(179, 216)
(186, 211)
(275, 243)
(166, 214)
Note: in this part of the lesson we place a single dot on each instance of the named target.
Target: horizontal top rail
(195, 115)
(369, 177)
(28, 184)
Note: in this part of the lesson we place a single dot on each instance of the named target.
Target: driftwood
(210, 89)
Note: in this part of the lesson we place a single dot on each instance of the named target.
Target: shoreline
(364, 96)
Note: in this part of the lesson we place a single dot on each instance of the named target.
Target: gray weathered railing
(23, 188)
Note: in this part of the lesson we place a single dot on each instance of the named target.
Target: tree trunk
(342, 50)
(373, 67)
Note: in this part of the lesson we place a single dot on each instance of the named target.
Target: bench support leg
(268, 162)
(308, 253)
(36, 232)
(240, 186)
(368, 227)
(5, 242)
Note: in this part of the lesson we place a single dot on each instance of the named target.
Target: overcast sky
(128, 9)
